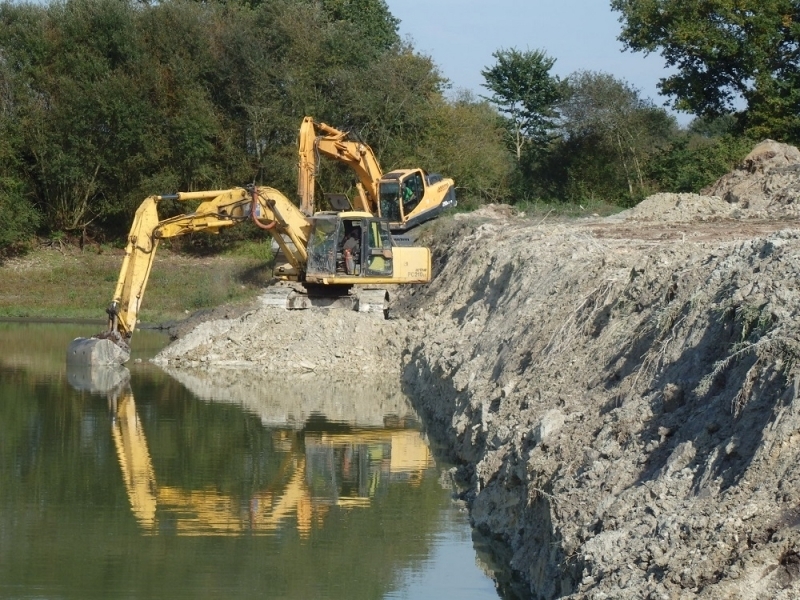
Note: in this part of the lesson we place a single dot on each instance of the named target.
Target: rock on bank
(623, 396)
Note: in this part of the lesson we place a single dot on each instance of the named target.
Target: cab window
(413, 190)
(379, 249)
(322, 246)
(390, 200)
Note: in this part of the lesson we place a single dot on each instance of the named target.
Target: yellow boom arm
(319, 139)
(267, 207)
(406, 197)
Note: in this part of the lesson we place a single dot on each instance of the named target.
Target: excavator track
(302, 297)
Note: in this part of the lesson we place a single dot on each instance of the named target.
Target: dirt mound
(277, 340)
(678, 208)
(765, 186)
(488, 211)
(767, 183)
(625, 413)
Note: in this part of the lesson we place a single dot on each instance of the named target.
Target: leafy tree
(18, 217)
(524, 90)
(714, 127)
(694, 161)
(391, 104)
(466, 141)
(607, 119)
(374, 27)
(724, 54)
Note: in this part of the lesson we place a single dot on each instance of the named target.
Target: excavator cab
(408, 198)
(349, 245)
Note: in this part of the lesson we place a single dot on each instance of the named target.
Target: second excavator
(406, 197)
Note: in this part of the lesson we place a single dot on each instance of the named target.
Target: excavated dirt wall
(621, 394)
(623, 398)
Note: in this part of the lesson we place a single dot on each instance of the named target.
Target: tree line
(104, 102)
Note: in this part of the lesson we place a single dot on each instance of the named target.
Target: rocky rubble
(623, 401)
(625, 411)
(273, 340)
(766, 184)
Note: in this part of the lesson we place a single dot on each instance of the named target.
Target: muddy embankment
(622, 393)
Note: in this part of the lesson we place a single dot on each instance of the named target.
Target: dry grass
(68, 283)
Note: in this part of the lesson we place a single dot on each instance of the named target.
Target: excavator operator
(352, 250)
(412, 193)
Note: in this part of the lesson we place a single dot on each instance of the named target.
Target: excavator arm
(406, 197)
(319, 139)
(266, 207)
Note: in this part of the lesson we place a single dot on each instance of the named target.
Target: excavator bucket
(94, 351)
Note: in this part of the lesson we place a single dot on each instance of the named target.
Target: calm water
(185, 485)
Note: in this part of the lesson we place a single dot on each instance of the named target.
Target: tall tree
(466, 140)
(724, 54)
(18, 217)
(525, 92)
(625, 128)
(375, 28)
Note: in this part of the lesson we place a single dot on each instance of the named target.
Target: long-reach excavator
(406, 197)
(332, 254)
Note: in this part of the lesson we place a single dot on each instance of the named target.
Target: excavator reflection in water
(321, 470)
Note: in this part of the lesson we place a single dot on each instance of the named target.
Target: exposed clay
(622, 393)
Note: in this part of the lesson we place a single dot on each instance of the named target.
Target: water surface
(197, 485)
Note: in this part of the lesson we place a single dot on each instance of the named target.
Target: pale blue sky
(460, 36)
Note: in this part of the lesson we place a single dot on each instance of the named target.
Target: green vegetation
(51, 283)
(609, 137)
(725, 54)
(524, 91)
(104, 102)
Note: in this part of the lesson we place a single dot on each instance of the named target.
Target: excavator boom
(406, 197)
(218, 209)
(320, 139)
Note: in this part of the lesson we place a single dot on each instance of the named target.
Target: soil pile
(279, 341)
(622, 395)
(767, 183)
(677, 208)
(625, 410)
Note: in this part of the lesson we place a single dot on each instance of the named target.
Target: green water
(211, 488)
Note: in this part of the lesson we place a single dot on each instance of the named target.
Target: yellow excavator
(289, 499)
(349, 254)
(406, 197)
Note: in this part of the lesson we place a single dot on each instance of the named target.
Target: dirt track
(622, 393)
